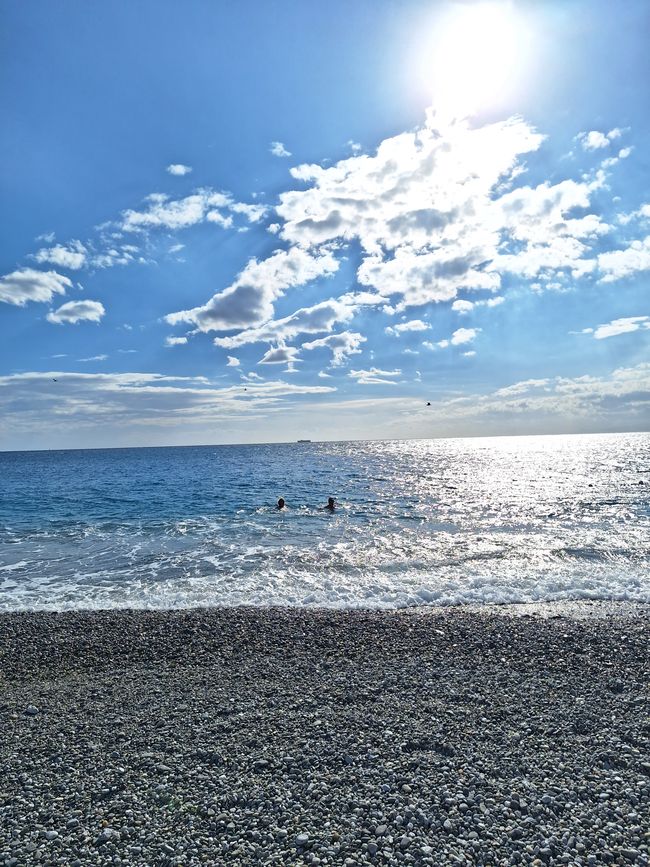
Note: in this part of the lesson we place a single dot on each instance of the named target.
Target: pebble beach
(284, 736)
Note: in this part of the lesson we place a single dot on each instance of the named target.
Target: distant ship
(304, 441)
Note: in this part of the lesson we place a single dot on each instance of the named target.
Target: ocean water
(425, 522)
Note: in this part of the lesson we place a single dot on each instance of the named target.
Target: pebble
(248, 736)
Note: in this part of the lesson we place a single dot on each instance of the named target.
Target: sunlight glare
(477, 52)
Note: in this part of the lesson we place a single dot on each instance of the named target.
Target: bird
(428, 403)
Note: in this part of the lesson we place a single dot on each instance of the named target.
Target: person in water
(280, 503)
(330, 504)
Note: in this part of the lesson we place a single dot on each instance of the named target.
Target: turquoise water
(509, 519)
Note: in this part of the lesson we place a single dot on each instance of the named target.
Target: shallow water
(508, 519)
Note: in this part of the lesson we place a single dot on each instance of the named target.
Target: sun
(475, 56)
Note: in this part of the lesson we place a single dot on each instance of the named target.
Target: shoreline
(319, 736)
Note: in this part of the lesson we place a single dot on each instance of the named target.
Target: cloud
(280, 355)
(232, 361)
(176, 248)
(204, 204)
(622, 326)
(111, 406)
(463, 306)
(411, 246)
(307, 320)
(77, 311)
(374, 376)
(178, 169)
(175, 341)
(73, 255)
(464, 335)
(412, 325)
(26, 284)
(595, 140)
(278, 149)
(623, 263)
(249, 300)
(341, 345)
(94, 358)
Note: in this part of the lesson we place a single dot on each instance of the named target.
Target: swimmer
(330, 504)
(280, 503)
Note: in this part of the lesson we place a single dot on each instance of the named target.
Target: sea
(416, 523)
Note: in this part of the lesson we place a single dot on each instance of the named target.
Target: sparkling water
(506, 519)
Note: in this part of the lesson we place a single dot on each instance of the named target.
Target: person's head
(280, 503)
(330, 502)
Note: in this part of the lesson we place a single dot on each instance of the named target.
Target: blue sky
(258, 222)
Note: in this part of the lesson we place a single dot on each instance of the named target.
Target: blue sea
(424, 522)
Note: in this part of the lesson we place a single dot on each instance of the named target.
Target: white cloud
(175, 341)
(176, 248)
(178, 169)
(462, 306)
(374, 376)
(307, 320)
(623, 263)
(470, 354)
(341, 345)
(464, 335)
(412, 325)
(95, 358)
(204, 204)
(27, 284)
(596, 140)
(73, 255)
(77, 311)
(279, 355)
(232, 361)
(113, 406)
(278, 149)
(249, 300)
(622, 326)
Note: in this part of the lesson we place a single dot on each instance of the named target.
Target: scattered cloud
(341, 345)
(374, 376)
(278, 149)
(232, 361)
(27, 284)
(596, 140)
(178, 169)
(249, 300)
(175, 341)
(463, 306)
(77, 311)
(463, 335)
(73, 255)
(94, 358)
(279, 355)
(623, 263)
(412, 325)
(622, 326)
(204, 205)
(321, 317)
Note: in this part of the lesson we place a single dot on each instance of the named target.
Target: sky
(264, 221)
